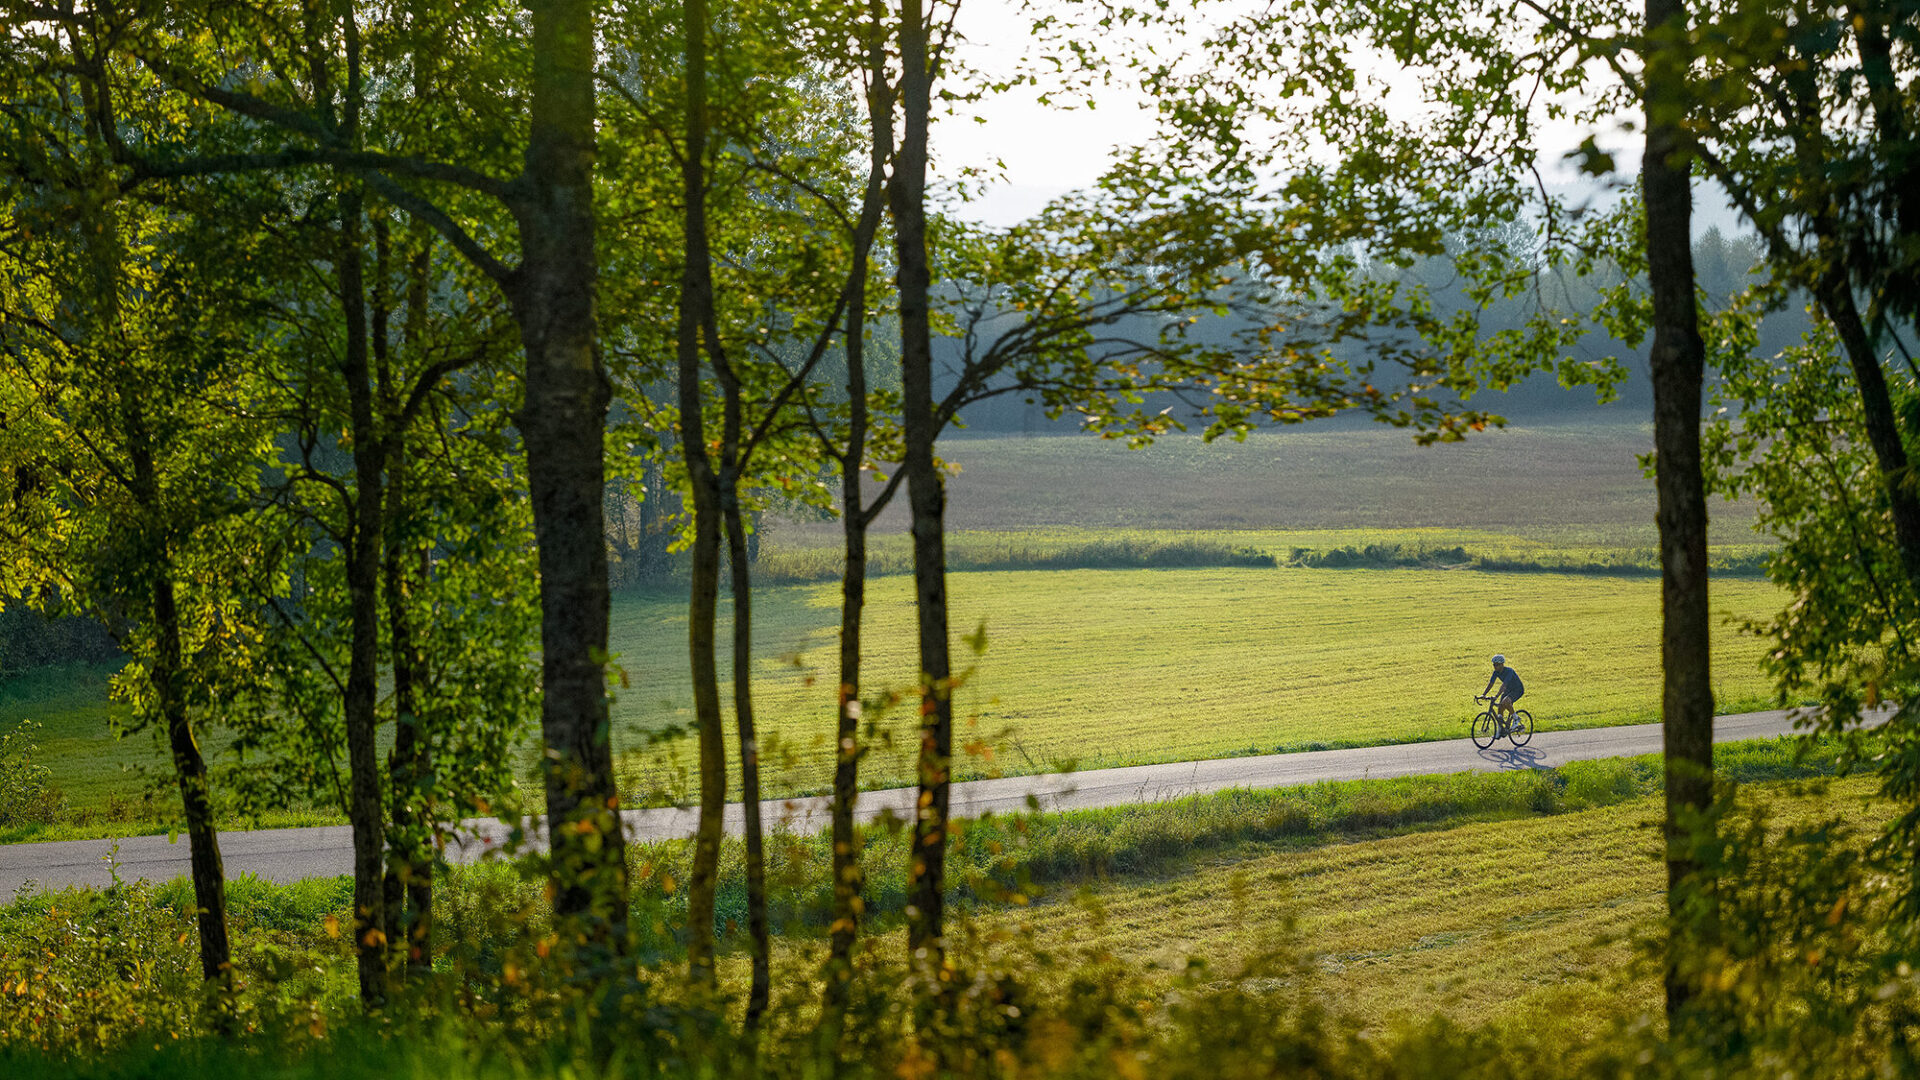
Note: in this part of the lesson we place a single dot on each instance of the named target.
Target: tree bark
(409, 881)
(563, 425)
(760, 944)
(926, 495)
(189, 765)
(1883, 427)
(1896, 290)
(855, 517)
(1678, 361)
(364, 800)
(847, 877)
(696, 306)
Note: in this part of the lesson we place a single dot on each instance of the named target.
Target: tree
(1678, 362)
(129, 468)
(183, 58)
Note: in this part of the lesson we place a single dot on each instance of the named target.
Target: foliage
(27, 794)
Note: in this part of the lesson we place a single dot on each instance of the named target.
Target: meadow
(1563, 484)
(1181, 601)
(1095, 668)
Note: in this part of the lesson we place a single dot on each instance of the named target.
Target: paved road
(293, 854)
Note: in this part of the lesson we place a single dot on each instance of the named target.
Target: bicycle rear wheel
(1486, 728)
(1521, 732)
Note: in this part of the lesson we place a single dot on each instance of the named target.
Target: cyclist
(1510, 686)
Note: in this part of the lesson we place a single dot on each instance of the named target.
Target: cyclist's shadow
(1515, 758)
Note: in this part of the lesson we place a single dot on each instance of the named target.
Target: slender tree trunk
(409, 881)
(759, 942)
(364, 809)
(696, 305)
(847, 877)
(1883, 427)
(926, 494)
(855, 518)
(411, 865)
(1833, 290)
(189, 765)
(1898, 293)
(1678, 363)
(563, 425)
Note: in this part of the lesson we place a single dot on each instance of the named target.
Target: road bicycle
(1493, 725)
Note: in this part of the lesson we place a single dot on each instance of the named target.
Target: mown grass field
(1088, 668)
(1573, 484)
(1532, 918)
(1472, 896)
(1091, 668)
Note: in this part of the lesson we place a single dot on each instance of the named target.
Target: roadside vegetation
(1394, 905)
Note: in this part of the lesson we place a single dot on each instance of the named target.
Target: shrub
(27, 794)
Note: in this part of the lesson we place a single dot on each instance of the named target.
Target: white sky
(1048, 151)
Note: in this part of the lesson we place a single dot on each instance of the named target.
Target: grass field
(1091, 667)
(1575, 484)
(1088, 668)
(1485, 899)
(1533, 917)
(1101, 667)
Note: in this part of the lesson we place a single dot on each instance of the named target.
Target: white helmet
(1499, 658)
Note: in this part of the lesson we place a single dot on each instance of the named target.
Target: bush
(27, 794)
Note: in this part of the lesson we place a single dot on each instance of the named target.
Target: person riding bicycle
(1510, 686)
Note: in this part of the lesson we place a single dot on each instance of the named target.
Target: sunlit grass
(1531, 919)
(1090, 668)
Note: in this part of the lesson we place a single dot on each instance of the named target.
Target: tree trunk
(1833, 290)
(189, 766)
(563, 425)
(926, 494)
(847, 878)
(1897, 290)
(1678, 363)
(362, 553)
(696, 304)
(409, 881)
(1883, 428)
(856, 516)
(759, 943)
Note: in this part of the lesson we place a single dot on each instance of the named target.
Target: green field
(1474, 897)
(1102, 667)
(1532, 917)
(1088, 668)
(1094, 667)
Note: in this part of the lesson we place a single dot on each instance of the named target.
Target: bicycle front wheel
(1486, 728)
(1522, 729)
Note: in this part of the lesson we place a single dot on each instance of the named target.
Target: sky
(1048, 151)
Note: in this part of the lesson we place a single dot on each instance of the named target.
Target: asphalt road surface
(293, 854)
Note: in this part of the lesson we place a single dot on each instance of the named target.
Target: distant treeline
(822, 564)
(30, 640)
(1644, 562)
(1724, 266)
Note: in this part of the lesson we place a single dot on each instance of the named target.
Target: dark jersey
(1508, 679)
